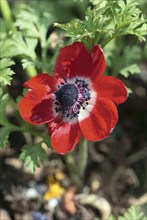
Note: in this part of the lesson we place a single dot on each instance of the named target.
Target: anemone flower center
(67, 95)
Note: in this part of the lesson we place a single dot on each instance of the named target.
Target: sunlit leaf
(32, 155)
(4, 135)
(108, 19)
(5, 71)
(132, 69)
(133, 213)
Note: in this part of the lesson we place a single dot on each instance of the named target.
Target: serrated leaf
(5, 76)
(7, 48)
(31, 156)
(133, 213)
(5, 72)
(34, 23)
(4, 135)
(23, 46)
(6, 62)
(108, 20)
(26, 63)
(132, 69)
(74, 29)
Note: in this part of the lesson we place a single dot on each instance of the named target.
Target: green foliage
(31, 27)
(133, 213)
(75, 29)
(112, 218)
(5, 56)
(33, 21)
(127, 58)
(33, 24)
(108, 20)
(4, 101)
(5, 71)
(24, 46)
(4, 131)
(4, 135)
(32, 155)
(132, 69)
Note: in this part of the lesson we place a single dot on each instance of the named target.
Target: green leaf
(4, 101)
(111, 217)
(4, 135)
(74, 29)
(133, 213)
(5, 76)
(32, 155)
(24, 46)
(5, 72)
(33, 21)
(107, 20)
(109, 52)
(7, 48)
(4, 131)
(6, 62)
(3, 104)
(132, 69)
(129, 91)
(27, 62)
(123, 59)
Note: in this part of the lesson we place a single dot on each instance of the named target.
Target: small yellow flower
(55, 190)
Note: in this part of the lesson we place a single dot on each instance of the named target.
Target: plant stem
(82, 157)
(31, 132)
(6, 12)
(12, 127)
(71, 166)
(31, 71)
(77, 167)
(106, 41)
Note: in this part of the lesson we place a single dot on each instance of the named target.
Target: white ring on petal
(83, 113)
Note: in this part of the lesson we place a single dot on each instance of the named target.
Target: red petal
(75, 60)
(43, 83)
(36, 106)
(111, 88)
(65, 136)
(98, 65)
(35, 111)
(72, 61)
(100, 121)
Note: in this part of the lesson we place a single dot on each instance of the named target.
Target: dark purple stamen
(70, 98)
(67, 95)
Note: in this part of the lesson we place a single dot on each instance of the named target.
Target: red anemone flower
(78, 101)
